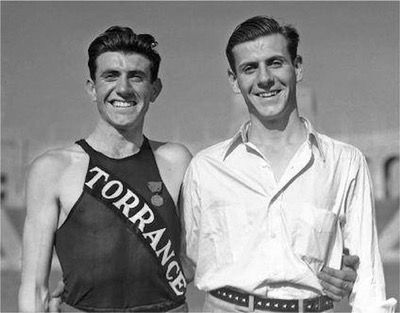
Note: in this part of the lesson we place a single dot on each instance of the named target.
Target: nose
(124, 86)
(265, 77)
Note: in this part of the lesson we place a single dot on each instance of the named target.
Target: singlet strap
(145, 143)
(84, 145)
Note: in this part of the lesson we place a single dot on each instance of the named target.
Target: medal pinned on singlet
(156, 188)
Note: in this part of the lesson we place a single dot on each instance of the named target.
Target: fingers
(336, 295)
(332, 292)
(57, 292)
(345, 274)
(348, 274)
(351, 261)
(336, 283)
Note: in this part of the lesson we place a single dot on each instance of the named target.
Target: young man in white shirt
(267, 211)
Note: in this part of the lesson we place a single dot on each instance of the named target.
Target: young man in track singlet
(108, 203)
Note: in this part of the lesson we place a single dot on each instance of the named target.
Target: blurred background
(350, 91)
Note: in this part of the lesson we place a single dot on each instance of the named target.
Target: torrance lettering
(96, 177)
(123, 203)
(170, 266)
(155, 237)
(165, 251)
(108, 186)
(179, 283)
(141, 215)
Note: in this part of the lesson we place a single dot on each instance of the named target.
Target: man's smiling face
(123, 89)
(266, 76)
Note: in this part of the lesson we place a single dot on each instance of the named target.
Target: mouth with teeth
(268, 94)
(123, 104)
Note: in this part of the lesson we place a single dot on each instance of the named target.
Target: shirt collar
(242, 137)
(314, 139)
(238, 138)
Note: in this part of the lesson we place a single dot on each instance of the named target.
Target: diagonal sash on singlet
(142, 219)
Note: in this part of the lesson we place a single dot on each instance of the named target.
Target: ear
(157, 87)
(298, 64)
(91, 90)
(233, 81)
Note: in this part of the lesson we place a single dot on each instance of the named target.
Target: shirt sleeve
(190, 220)
(360, 236)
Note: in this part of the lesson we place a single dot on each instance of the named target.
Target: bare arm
(173, 160)
(40, 226)
(179, 159)
(188, 266)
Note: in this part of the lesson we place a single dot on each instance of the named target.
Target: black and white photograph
(200, 156)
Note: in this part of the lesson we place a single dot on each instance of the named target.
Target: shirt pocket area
(312, 234)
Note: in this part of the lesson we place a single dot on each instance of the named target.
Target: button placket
(272, 218)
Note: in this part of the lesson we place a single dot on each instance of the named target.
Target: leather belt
(318, 304)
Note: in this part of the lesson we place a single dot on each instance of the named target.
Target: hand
(338, 284)
(55, 300)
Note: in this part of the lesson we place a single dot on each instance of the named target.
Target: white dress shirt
(245, 230)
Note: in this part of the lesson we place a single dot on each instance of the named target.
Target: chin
(125, 125)
(270, 114)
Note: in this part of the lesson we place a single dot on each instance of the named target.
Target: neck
(277, 132)
(116, 143)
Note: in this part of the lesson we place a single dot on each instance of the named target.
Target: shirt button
(273, 235)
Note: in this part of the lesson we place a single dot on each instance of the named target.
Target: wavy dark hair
(259, 26)
(123, 39)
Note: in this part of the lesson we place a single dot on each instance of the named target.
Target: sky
(350, 52)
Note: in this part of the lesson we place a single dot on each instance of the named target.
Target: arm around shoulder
(40, 225)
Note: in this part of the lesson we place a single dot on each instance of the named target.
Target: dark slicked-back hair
(123, 39)
(259, 26)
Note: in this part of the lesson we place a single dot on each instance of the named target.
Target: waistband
(159, 307)
(317, 304)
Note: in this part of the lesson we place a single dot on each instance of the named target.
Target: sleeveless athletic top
(106, 267)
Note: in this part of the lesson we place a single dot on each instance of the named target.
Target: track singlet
(119, 247)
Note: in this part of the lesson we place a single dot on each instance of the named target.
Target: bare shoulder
(173, 153)
(51, 164)
(172, 161)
